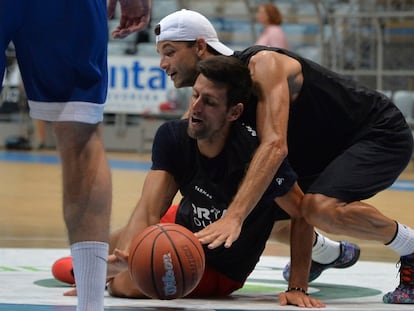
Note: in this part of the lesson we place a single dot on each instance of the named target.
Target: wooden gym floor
(32, 234)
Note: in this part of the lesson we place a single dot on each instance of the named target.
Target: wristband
(297, 289)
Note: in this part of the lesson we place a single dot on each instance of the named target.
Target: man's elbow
(277, 149)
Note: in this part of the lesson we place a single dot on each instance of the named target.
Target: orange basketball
(166, 261)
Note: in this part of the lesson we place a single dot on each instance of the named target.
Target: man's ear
(236, 111)
(201, 46)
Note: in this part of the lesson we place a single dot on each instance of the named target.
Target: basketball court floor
(32, 237)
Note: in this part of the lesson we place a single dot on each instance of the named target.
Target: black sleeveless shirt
(330, 114)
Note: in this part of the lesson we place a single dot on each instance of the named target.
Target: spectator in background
(272, 35)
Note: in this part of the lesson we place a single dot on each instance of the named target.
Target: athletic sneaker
(349, 256)
(404, 293)
(62, 270)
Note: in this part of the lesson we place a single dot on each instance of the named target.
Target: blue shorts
(61, 48)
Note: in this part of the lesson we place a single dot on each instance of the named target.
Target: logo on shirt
(204, 192)
(251, 130)
(203, 216)
(279, 180)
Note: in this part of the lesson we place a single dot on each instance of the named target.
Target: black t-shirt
(208, 186)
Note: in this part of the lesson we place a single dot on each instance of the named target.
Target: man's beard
(197, 134)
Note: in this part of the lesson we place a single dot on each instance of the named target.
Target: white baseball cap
(187, 25)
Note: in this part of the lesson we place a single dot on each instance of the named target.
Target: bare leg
(87, 196)
(356, 219)
(41, 133)
(363, 221)
(87, 185)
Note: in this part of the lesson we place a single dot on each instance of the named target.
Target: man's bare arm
(135, 15)
(158, 191)
(271, 85)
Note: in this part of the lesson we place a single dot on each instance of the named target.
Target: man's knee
(310, 206)
(320, 211)
(74, 135)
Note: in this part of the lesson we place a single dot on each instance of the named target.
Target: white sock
(403, 242)
(325, 251)
(89, 267)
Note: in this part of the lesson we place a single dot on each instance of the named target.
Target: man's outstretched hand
(135, 15)
(299, 299)
(225, 231)
(117, 262)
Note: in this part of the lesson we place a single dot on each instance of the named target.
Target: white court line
(374, 278)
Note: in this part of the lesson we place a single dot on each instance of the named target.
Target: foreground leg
(87, 196)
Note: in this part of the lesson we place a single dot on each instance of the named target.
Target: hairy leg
(356, 219)
(87, 186)
(87, 199)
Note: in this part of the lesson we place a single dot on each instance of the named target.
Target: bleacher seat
(404, 100)
(387, 93)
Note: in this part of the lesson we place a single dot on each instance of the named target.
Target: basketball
(166, 261)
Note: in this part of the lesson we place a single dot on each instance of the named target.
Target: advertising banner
(137, 85)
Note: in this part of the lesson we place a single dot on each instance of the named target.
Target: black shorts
(367, 167)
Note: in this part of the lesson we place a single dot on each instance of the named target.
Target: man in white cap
(345, 141)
